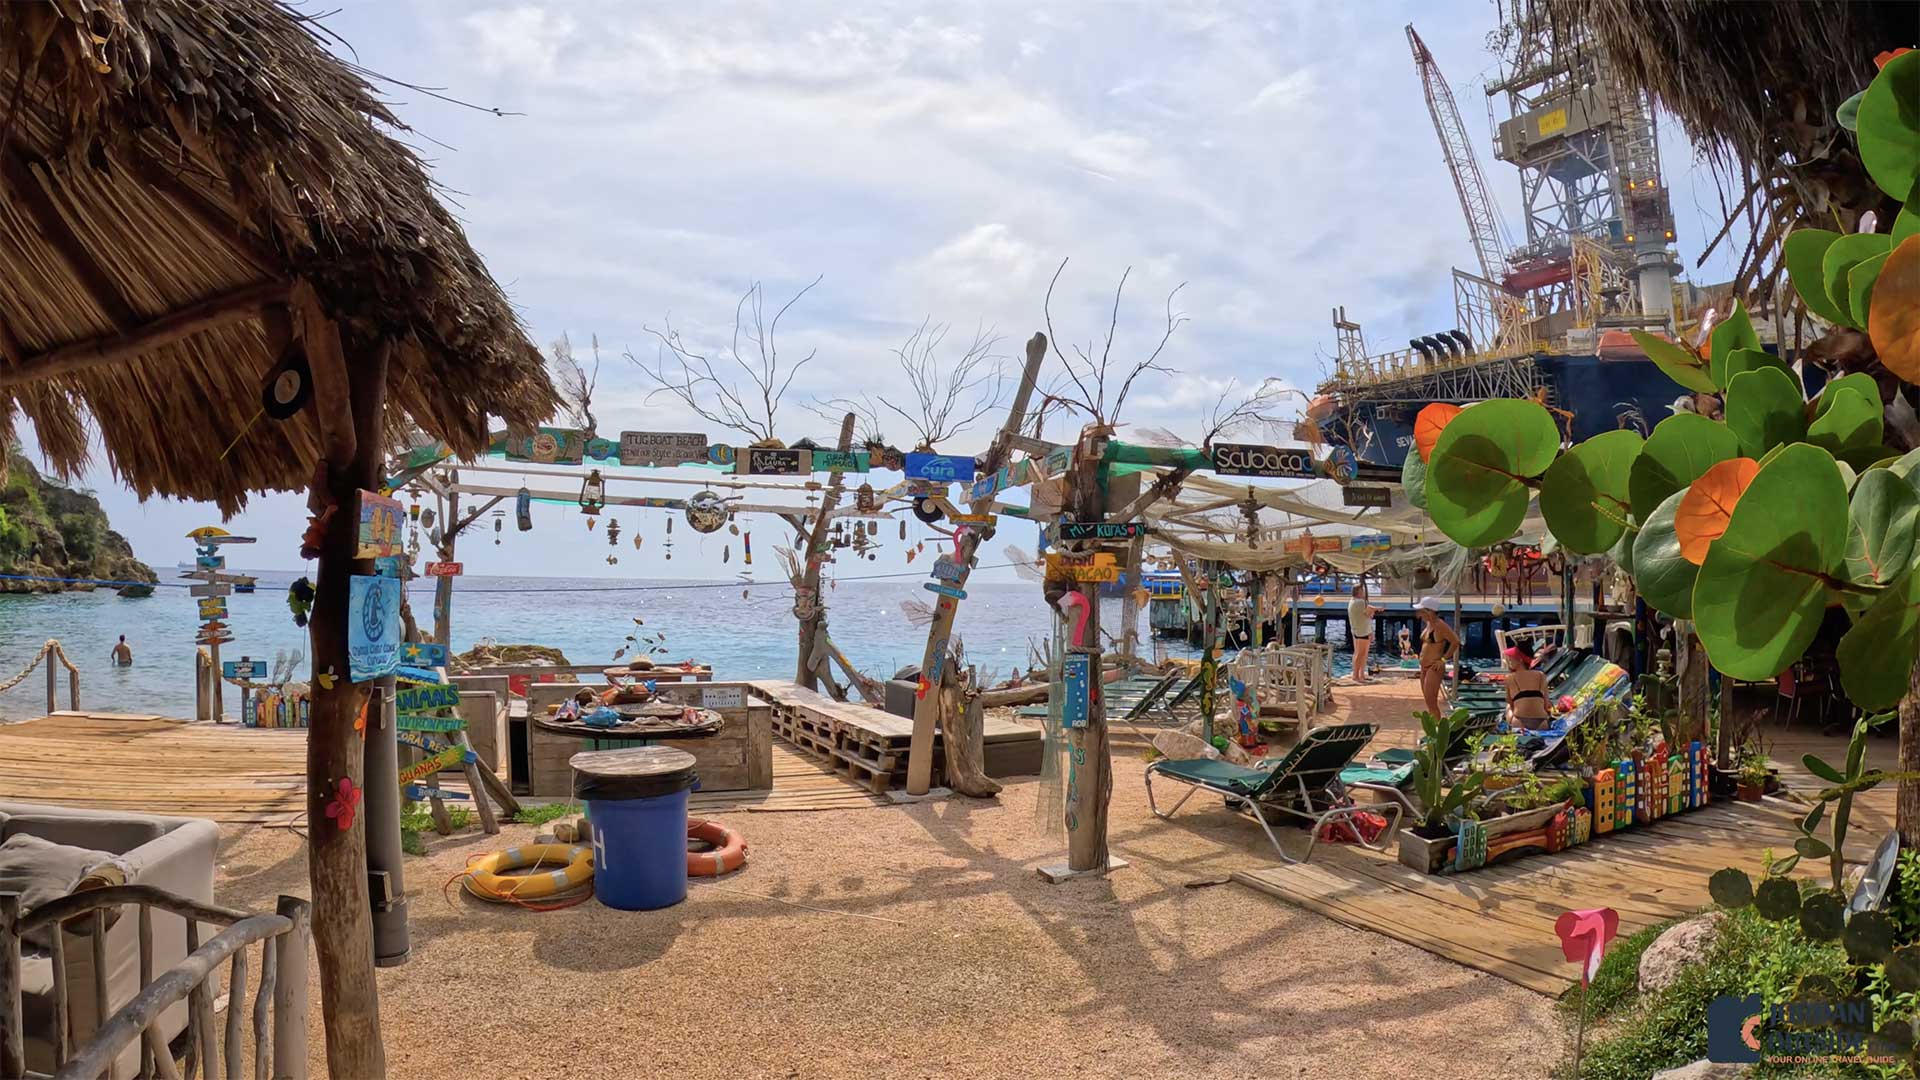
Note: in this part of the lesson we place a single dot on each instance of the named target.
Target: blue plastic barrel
(637, 801)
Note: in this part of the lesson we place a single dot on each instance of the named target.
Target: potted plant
(1751, 773)
(1423, 846)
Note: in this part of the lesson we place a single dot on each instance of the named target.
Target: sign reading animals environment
(662, 447)
(549, 446)
(1240, 459)
(1102, 530)
(940, 468)
(416, 699)
(764, 461)
(380, 518)
(424, 722)
(373, 627)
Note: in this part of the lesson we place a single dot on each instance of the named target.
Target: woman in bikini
(1526, 690)
(1438, 644)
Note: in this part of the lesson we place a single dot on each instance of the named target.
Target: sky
(926, 161)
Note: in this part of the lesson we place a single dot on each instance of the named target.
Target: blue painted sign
(389, 565)
(1076, 685)
(939, 661)
(210, 562)
(373, 627)
(424, 654)
(940, 468)
(417, 793)
(244, 668)
(946, 569)
(945, 590)
(416, 674)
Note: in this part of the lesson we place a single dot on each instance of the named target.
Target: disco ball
(706, 512)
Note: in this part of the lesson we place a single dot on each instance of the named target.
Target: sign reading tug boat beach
(662, 447)
(1241, 459)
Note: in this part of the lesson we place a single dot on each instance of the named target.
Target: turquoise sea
(743, 636)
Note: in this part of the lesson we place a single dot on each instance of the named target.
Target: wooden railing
(50, 652)
(279, 1047)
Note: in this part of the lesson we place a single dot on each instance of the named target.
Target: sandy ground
(966, 963)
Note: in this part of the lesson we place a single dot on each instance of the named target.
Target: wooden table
(649, 721)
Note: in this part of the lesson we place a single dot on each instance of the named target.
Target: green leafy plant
(1439, 799)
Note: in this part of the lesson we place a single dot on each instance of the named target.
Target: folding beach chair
(1388, 772)
(1303, 784)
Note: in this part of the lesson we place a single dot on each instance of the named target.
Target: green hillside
(50, 530)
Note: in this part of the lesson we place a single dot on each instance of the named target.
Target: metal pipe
(381, 805)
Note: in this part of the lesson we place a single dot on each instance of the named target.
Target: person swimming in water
(123, 653)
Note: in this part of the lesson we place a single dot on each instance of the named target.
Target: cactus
(1731, 888)
(1777, 899)
(1868, 937)
(1823, 917)
(1903, 968)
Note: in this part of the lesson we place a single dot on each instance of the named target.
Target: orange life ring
(729, 849)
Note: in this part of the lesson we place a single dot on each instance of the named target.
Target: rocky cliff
(49, 530)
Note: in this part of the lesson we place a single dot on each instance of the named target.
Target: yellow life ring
(485, 874)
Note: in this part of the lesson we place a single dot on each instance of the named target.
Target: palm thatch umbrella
(1756, 86)
(191, 194)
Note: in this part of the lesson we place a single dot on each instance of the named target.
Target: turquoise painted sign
(417, 722)
(945, 590)
(422, 698)
(1076, 690)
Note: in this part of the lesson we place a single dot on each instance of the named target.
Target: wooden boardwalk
(1500, 919)
(236, 775)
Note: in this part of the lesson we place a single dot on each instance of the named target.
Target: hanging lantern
(523, 508)
(593, 493)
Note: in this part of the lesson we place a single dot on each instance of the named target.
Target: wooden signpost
(1098, 567)
(1101, 530)
(662, 448)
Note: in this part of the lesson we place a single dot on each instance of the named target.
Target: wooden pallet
(868, 745)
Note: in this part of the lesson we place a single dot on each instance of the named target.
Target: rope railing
(54, 650)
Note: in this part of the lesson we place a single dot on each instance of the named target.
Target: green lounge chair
(1299, 785)
(1388, 772)
(1126, 699)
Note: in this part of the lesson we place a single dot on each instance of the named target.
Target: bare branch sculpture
(947, 398)
(1091, 379)
(691, 378)
(574, 382)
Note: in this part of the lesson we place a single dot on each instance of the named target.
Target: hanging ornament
(613, 532)
(636, 540)
(733, 528)
(726, 553)
(300, 600)
(612, 559)
(746, 548)
(669, 526)
(522, 509)
(744, 593)
(499, 522)
(903, 528)
(413, 508)
(591, 522)
(706, 512)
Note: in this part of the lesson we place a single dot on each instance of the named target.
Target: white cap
(1427, 603)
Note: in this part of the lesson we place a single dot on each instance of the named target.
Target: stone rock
(1702, 1069)
(1675, 949)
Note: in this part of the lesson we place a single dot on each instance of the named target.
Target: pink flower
(346, 800)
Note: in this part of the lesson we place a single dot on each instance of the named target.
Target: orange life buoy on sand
(729, 849)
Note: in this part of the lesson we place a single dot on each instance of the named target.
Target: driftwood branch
(1091, 378)
(689, 376)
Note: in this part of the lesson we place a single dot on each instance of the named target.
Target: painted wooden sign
(419, 698)
(445, 759)
(420, 740)
(1102, 530)
(423, 722)
(213, 607)
(244, 668)
(215, 637)
(549, 446)
(380, 518)
(210, 562)
(1242, 459)
(1011, 476)
(723, 697)
(970, 519)
(1309, 544)
(661, 448)
(841, 461)
(390, 565)
(946, 569)
(1057, 460)
(211, 588)
(1369, 542)
(1356, 495)
(940, 468)
(769, 462)
(945, 590)
(445, 569)
(373, 627)
(1076, 684)
(422, 792)
(423, 654)
(1101, 566)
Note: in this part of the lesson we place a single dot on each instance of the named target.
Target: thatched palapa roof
(169, 171)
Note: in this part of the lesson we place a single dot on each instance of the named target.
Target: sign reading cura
(1240, 459)
(941, 468)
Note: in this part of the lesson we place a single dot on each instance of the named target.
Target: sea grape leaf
(1583, 495)
(1427, 426)
(1708, 505)
(1777, 899)
(1888, 126)
(1681, 447)
(1860, 282)
(1848, 114)
(1876, 653)
(1859, 381)
(1842, 256)
(1731, 333)
(1477, 488)
(1740, 360)
(1762, 592)
(1622, 551)
(1730, 888)
(1806, 253)
(1680, 363)
(1852, 421)
(1907, 222)
(1894, 325)
(1882, 519)
(1765, 409)
(1663, 576)
(1413, 480)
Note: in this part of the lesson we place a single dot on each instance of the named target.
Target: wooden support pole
(443, 586)
(809, 607)
(926, 710)
(1130, 604)
(337, 857)
(1089, 768)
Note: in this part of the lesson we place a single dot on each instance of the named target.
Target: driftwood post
(443, 585)
(1089, 772)
(926, 710)
(351, 412)
(808, 607)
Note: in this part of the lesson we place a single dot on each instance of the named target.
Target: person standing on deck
(1438, 644)
(123, 653)
(1360, 630)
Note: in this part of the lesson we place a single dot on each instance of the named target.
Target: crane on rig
(1490, 242)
